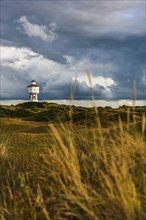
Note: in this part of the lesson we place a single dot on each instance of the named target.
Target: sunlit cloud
(44, 32)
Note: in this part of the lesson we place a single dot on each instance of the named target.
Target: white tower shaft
(33, 97)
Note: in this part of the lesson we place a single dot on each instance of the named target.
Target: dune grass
(72, 172)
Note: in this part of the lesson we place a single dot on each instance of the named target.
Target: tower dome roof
(33, 84)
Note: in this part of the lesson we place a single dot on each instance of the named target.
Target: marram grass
(80, 173)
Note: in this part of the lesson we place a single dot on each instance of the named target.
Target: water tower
(33, 91)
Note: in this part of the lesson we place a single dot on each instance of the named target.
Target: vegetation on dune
(54, 113)
(74, 171)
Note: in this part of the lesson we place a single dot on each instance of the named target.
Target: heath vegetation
(71, 163)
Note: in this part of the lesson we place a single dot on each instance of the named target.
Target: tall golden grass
(85, 173)
(77, 177)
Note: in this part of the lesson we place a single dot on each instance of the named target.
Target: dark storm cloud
(106, 37)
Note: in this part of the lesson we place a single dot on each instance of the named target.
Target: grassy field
(72, 163)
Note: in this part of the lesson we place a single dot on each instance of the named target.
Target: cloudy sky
(52, 41)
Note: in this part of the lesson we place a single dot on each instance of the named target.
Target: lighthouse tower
(33, 91)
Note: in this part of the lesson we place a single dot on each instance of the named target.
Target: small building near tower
(33, 91)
